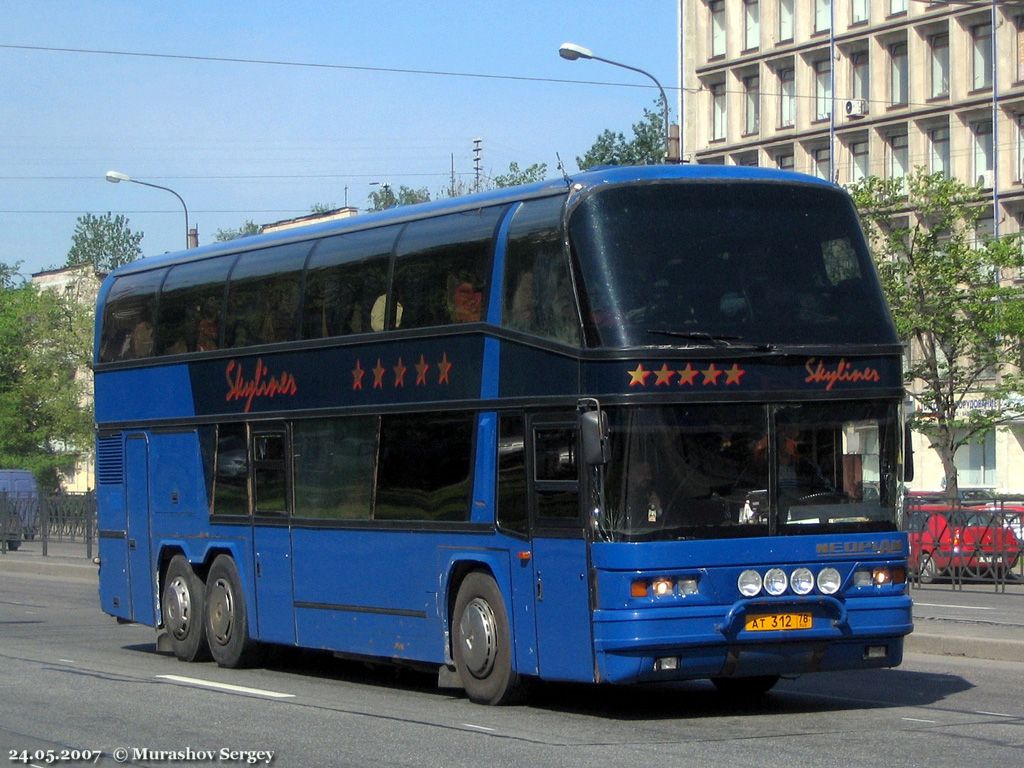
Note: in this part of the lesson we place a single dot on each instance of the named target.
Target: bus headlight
(829, 581)
(749, 583)
(662, 587)
(802, 581)
(775, 581)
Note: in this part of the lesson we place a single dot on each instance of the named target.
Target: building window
(717, 111)
(858, 160)
(859, 75)
(981, 44)
(899, 157)
(785, 20)
(784, 160)
(717, 11)
(939, 45)
(1020, 149)
(897, 6)
(822, 162)
(1019, 25)
(822, 15)
(787, 98)
(938, 151)
(898, 93)
(983, 152)
(751, 25)
(748, 159)
(976, 462)
(751, 104)
(822, 89)
(859, 11)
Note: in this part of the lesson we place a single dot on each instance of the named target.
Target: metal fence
(962, 541)
(66, 518)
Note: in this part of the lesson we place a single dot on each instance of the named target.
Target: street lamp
(115, 177)
(572, 52)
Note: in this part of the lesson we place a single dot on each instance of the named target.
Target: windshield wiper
(715, 340)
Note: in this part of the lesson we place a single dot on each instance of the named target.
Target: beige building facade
(843, 89)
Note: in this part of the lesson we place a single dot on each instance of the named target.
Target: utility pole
(477, 149)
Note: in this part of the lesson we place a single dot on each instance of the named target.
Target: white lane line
(226, 687)
(996, 714)
(919, 720)
(962, 607)
(67, 661)
(478, 727)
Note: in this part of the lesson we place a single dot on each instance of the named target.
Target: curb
(966, 647)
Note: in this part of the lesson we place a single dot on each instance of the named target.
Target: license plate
(777, 622)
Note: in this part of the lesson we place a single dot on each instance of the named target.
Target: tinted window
(512, 507)
(442, 268)
(334, 461)
(128, 317)
(755, 262)
(263, 296)
(191, 304)
(538, 289)
(270, 475)
(231, 478)
(346, 284)
(425, 467)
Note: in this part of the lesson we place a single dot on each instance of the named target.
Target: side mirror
(594, 437)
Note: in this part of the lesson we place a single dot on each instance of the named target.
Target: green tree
(516, 176)
(952, 304)
(45, 341)
(104, 241)
(384, 197)
(647, 147)
(249, 227)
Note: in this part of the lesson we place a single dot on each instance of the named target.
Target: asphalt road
(71, 678)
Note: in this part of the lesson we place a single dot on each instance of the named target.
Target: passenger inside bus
(464, 299)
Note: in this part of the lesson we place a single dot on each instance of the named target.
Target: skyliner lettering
(843, 372)
(260, 385)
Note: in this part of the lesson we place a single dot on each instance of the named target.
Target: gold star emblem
(638, 377)
(421, 372)
(443, 369)
(688, 375)
(734, 374)
(357, 376)
(400, 370)
(663, 376)
(378, 375)
(711, 375)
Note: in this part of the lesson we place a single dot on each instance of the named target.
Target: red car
(967, 541)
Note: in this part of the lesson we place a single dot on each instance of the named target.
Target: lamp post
(115, 177)
(572, 52)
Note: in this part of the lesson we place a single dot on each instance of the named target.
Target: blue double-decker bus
(638, 425)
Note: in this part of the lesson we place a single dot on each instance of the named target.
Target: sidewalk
(975, 622)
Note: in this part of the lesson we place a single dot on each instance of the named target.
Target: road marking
(919, 720)
(479, 727)
(67, 661)
(996, 714)
(226, 687)
(964, 607)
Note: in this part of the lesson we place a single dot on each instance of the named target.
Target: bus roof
(607, 175)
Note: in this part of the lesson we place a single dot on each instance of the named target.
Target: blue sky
(211, 129)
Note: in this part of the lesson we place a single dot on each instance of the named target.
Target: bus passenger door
(140, 570)
(560, 567)
(271, 534)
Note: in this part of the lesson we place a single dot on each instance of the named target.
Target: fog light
(662, 587)
(775, 581)
(688, 586)
(666, 664)
(829, 581)
(876, 652)
(862, 578)
(881, 577)
(802, 581)
(899, 575)
(638, 588)
(749, 583)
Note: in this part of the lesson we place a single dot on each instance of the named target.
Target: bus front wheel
(227, 628)
(182, 604)
(482, 647)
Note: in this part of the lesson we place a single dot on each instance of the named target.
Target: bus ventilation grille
(110, 460)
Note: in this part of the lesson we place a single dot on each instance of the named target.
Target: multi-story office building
(843, 89)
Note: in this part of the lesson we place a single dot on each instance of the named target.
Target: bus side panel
(112, 524)
(140, 562)
(368, 592)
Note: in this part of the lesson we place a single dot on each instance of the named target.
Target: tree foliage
(249, 227)
(384, 197)
(951, 302)
(45, 340)
(647, 147)
(517, 176)
(106, 242)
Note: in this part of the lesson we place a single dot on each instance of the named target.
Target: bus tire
(482, 642)
(745, 686)
(182, 604)
(227, 628)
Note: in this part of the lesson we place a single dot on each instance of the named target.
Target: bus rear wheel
(183, 606)
(227, 628)
(482, 647)
(745, 686)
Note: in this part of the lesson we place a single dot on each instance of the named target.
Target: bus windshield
(739, 262)
(715, 471)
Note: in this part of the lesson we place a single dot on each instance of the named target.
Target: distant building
(843, 89)
(310, 218)
(81, 284)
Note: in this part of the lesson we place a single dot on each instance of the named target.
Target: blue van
(19, 506)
